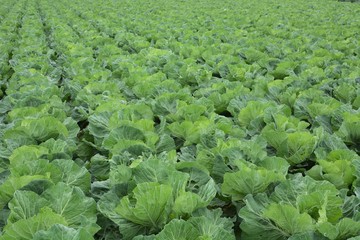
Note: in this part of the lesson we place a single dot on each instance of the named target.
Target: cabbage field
(179, 120)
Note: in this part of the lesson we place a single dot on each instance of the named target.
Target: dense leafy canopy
(183, 120)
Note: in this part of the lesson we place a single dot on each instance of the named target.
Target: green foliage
(199, 120)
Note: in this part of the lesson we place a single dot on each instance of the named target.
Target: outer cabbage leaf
(59, 148)
(211, 225)
(350, 128)
(338, 168)
(295, 147)
(26, 160)
(340, 173)
(300, 145)
(190, 112)
(252, 116)
(131, 139)
(254, 225)
(190, 131)
(248, 181)
(100, 167)
(199, 182)
(98, 124)
(150, 205)
(344, 229)
(110, 200)
(24, 205)
(123, 132)
(25, 229)
(264, 219)
(320, 199)
(72, 174)
(158, 170)
(187, 202)
(27, 153)
(134, 147)
(44, 128)
(71, 203)
(165, 143)
(15, 138)
(288, 218)
(8, 188)
(61, 232)
(178, 229)
(276, 164)
(284, 69)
